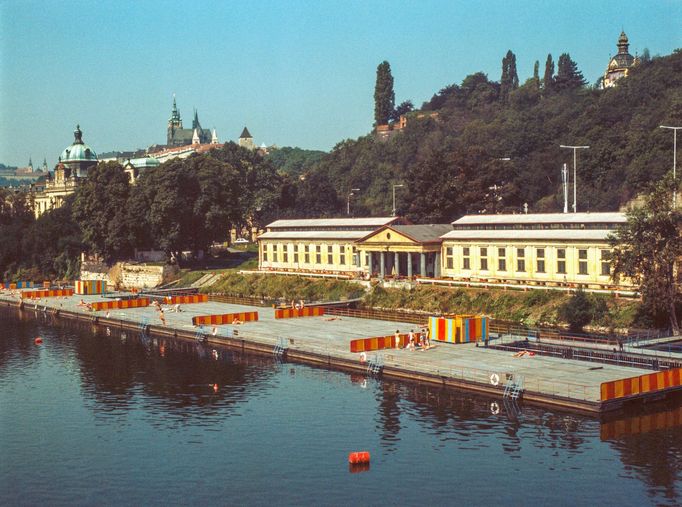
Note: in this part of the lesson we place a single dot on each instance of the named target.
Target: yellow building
(619, 65)
(553, 249)
(317, 246)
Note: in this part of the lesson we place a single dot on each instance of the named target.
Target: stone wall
(128, 276)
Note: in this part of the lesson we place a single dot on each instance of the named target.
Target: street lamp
(574, 148)
(394, 187)
(350, 194)
(674, 129)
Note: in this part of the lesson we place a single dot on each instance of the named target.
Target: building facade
(179, 136)
(317, 246)
(552, 249)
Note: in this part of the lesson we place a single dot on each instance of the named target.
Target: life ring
(494, 408)
(363, 357)
(494, 379)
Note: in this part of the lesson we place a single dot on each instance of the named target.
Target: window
(466, 262)
(449, 258)
(342, 255)
(285, 253)
(582, 262)
(521, 260)
(605, 263)
(275, 248)
(561, 261)
(540, 253)
(502, 259)
(484, 259)
(265, 253)
(306, 254)
(356, 257)
(329, 255)
(296, 248)
(318, 254)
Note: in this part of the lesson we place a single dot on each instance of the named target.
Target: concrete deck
(556, 381)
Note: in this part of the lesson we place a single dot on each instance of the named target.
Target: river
(97, 417)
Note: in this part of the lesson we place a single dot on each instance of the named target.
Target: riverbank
(325, 340)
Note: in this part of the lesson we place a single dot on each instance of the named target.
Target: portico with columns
(404, 251)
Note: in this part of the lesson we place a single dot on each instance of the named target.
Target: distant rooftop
(542, 218)
(322, 223)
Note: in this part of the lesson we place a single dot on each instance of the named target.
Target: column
(436, 265)
(382, 264)
(409, 264)
(396, 259)
(422, 264)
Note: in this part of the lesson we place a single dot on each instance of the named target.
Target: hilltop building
(620, 64)
(246, 140)
(179, 136)
(74, 162)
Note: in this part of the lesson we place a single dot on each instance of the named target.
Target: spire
(78, 135)
(30, 162)
(195, 137)
(623, 43)
(175, 120)
(245, 134)
(195, 121)
(214, 137)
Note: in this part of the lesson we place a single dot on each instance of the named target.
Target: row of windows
(305, 253)
(540, 265)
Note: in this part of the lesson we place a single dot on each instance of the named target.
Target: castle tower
(174, 124)
(246, 140)
(30, 164)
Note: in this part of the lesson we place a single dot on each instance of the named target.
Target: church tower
(174, 124)
(620, 64)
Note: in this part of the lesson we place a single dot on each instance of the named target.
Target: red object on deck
(358, 457)
(38, 341)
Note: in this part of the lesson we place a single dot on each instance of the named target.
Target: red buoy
(38, 341)
(358, 457)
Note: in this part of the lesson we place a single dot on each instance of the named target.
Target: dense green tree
(510, 79)
(581, 309)
(647, 250)
(384, 96)
(99, 207)
(548, 77)
(568, 76)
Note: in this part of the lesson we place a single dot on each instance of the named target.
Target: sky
(296, 73)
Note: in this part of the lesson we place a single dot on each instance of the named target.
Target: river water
(91, 417)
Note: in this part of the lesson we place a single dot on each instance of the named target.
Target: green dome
(78, 151)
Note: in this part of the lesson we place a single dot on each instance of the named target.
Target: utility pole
(564, 182)
(350, 194)
(575, 192)
(394, 208)
(674, 129)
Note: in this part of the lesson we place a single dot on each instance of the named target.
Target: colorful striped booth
(377, 343)
(18, 285)
(458, 329)
(306, 311)
(91, 286)
(120, 305)
(226, 318)
(641, 424)
(643, 384)
(37, 294)
(186, 300)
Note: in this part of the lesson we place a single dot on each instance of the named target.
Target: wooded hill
(451, 164)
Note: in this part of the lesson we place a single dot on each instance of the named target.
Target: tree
(548, 78)
(99, 208)
(404, 108)
(647, 250)
(568, 76)
(536, 75)
(510, 79)
(580, 310)
(384, 97)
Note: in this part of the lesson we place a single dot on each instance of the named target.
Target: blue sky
(297, 73)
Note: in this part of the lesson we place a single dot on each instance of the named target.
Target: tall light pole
(394, 187)
(674, 129)
(350, 194)
(574, 148)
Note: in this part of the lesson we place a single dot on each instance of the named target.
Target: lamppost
(674, 129)
(394, 187)
(350, 194)
(574, 148)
